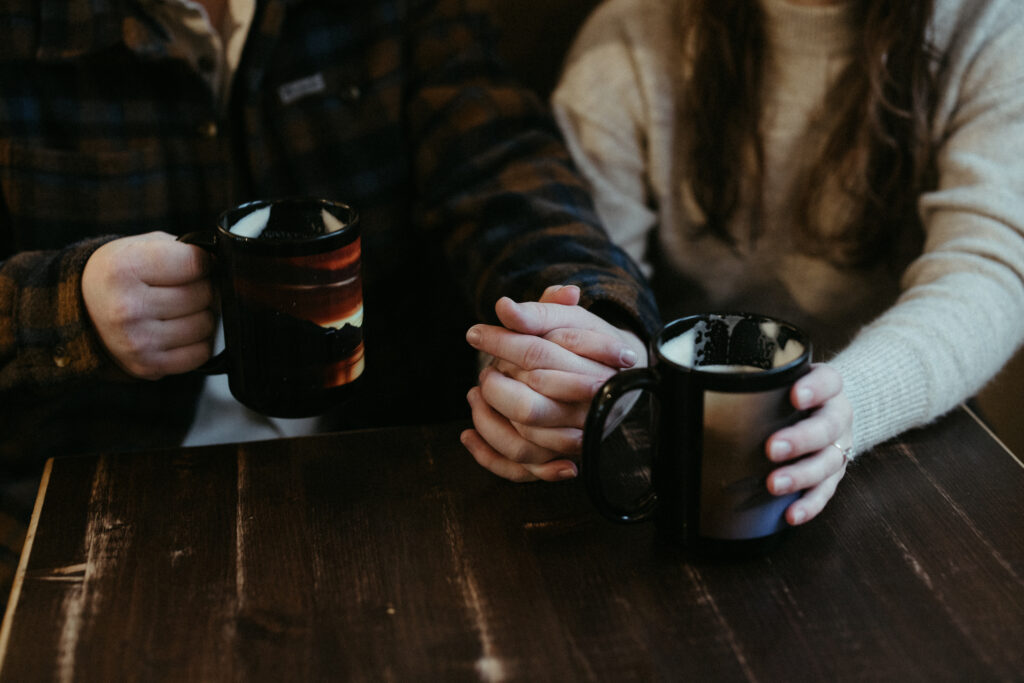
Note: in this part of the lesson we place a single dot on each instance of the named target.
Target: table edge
(995, 437)
(19, 576)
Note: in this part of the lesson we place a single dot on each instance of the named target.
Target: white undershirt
(220, 418)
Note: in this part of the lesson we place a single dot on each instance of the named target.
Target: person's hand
(817, 443)
(149, 299)
(550, 358)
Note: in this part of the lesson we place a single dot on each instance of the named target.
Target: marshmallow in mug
(253, 224)
(686, 351)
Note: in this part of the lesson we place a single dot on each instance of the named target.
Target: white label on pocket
(310, 85)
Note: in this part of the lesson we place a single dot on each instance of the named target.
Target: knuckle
(525, 412)
(520, 452)
(522, 476)
(209, 330)
(202, 294)
(139, 368)
(571, 442)
(145, 340)
(818, 431)
(124, 310)
(833, 426)
(570, 338)
(574, 337)
(490, 385)
(543, 313)
(198, 263)
(119, 312)
(531, 378)
(207, 326)
(535, 355)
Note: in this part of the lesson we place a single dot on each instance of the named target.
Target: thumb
(567, 295)
(536, 317)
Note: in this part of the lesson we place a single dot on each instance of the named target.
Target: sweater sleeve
(961, 312)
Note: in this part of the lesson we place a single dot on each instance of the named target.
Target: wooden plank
(390, 555)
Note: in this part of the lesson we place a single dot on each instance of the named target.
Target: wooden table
(390, 555)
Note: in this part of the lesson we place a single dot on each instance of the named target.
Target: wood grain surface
(390, 555)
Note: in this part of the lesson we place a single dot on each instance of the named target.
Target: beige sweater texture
(911, 338)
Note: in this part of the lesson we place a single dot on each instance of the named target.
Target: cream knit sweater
(911, 338)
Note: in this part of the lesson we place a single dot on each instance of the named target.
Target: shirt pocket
(335, 129)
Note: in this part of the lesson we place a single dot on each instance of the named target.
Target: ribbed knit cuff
(885, 381)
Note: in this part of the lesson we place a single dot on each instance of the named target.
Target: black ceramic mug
(290, 286)
(722, 384)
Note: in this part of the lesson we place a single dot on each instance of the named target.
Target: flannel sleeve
(46, 338)
(495, 184)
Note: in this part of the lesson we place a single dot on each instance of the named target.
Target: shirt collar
(71, 28)
(824, 30)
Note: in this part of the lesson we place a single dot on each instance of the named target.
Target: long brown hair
(877, 152)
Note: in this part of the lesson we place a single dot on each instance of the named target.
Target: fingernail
(799, 516)
(779, 450)
(804, 396)
(782, 484)
(627, 358)
(473, 336)
(567, 473)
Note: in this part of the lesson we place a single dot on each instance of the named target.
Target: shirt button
(208, 129)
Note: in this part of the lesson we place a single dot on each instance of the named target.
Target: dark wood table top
(390, 555)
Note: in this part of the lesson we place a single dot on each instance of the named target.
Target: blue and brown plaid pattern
(399, 107)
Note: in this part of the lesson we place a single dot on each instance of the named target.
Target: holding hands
(549, 360)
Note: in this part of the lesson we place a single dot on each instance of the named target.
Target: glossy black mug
(722, 384)
(290, 286)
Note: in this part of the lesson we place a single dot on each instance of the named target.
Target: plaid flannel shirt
(398, 107)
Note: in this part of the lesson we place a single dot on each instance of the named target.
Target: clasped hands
(549, 360)
(551, 356)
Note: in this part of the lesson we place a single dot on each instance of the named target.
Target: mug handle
(611, 392)
(218, 363)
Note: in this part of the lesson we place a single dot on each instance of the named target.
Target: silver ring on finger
(845, 451)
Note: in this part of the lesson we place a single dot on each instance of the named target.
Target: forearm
(498, 191)
(935, 348)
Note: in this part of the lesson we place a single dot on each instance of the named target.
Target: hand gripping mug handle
(605, 399)
(218, 363)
